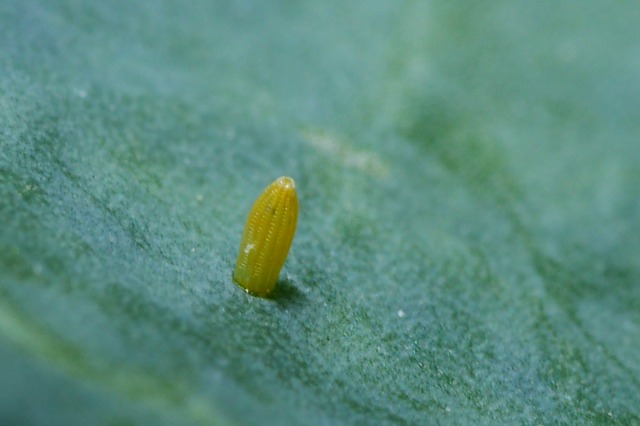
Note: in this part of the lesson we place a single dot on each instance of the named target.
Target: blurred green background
(468, 248)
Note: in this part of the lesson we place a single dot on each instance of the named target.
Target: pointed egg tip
(286, 182)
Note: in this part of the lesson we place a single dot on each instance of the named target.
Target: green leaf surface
(468, 248)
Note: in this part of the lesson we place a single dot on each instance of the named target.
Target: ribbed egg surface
(267, 237)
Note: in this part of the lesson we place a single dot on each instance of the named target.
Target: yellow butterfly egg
(267, 237)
